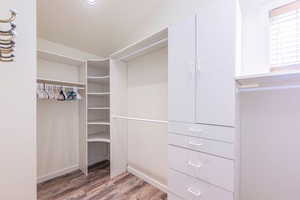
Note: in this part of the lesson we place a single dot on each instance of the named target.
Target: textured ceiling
(100, 29)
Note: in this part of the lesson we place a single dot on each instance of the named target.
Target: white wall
(270, 144)
(47, 45)
(147, 98)
(167, 13)
(17, 105)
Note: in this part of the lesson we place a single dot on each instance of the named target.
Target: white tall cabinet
(215, 85)
(202, 62)
(181, 76)
(202, 67)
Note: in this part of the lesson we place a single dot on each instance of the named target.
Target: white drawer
(215, 170)
(222, 149)
(221, 133)
(190, 188)
(173, 197)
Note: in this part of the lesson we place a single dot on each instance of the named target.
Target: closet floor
(98, 186)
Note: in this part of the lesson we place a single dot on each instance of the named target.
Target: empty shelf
(46, 55)
(98, 79)
(99, 108)
(98, 123)
(99, 137)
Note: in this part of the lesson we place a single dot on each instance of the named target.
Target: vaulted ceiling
(99, 29)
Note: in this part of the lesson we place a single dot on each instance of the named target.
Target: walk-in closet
(149, 100)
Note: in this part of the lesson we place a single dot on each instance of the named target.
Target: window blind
(285, 36)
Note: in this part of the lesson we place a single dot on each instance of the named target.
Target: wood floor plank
(98, 186)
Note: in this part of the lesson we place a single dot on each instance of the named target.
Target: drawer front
(215, 170)
(222, 149)
(190, 188)
(221, 133)
(173, 197)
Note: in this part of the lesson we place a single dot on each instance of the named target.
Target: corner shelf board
(98, 79)
(99, 108)
(99, 137)
(98, 123)
(59, 82)
(46, 55)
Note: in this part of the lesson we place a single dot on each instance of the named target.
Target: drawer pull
(195, 144)
(190, 163)
(195, 130)
(195, 193)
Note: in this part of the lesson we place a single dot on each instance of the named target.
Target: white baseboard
(57, 173)
(147, 179)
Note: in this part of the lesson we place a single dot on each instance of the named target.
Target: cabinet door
(182, 71)
(215, 94)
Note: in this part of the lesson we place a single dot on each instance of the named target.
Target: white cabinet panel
(192, 189)
(222, 149)
(221, 133)
(182, 71)
(173, 197)
(216, 63)
(212, 169)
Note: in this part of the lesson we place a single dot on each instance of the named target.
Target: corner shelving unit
(98, 107)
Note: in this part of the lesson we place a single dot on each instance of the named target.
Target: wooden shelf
(46, 55)
(98, 79)
(98, 123)
(99, 63)
(272, 79)
(98, 93)
(99, 108)
(99, 137)
(59, 82)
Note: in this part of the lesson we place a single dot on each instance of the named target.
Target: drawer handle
(190, 163)
(195, 193)
(195, 130)
(195, 144)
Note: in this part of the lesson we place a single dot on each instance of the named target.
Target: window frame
(268, 10)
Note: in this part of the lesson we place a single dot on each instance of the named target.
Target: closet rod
(159, 43)
(140, 119)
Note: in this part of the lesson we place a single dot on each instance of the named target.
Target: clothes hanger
(10, 42)
(7, 57)
(6, 60)
(7, 47)
(4, 33)
(11, 30)
(78, 96)
(6, 51)
(13, 15)
(62, 96)
(8, 38)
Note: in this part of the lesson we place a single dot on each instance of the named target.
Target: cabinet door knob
(195, 130)
(195, 144)
(193, 192)
(190, 163)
